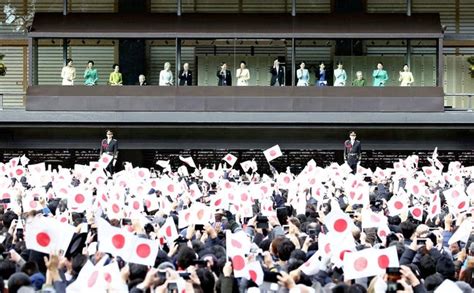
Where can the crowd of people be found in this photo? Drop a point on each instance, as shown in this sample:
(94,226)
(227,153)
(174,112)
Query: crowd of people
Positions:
(228,228)
(224,76)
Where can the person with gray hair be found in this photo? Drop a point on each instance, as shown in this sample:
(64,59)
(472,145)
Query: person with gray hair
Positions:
(166,76)
(359,81)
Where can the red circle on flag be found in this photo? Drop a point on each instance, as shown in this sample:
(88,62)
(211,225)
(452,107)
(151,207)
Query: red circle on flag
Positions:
(229,158)
(382,233)
(218,202)
(244,197)
(343,253)
(92,279)
(136,205)
(143,250)
(273,153)
(428,172)
(360,264)
(264,189)
(6,195)
(253,275)
(168,231)
(186,217)
(340,225)
(236,243)
(115,208)
(228,185)
(434,209)
(33,204)
(79,198)
(398,205)
(312,181)
(461,205)
(286,179)
(141,173)
(211,175)
(383,261)
(171,188)
(118,241)
(63,220)
(416,212)
(43,239)
(19,172)
(327,248)
(238,262)
(352,194)
(108,277)
(457,178)
(416,189)
(105,159)
(147,203)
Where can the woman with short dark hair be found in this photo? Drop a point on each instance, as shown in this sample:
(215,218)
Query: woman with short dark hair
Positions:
(68,73)
(90,74)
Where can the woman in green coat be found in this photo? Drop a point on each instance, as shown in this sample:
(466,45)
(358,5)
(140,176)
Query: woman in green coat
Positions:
(379,75)
(90,75)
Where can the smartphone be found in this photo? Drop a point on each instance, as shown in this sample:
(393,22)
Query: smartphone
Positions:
(468,215)
(421,241)
(393,275)
(126,221)
(271,277)
(286,228)
(201,263)
(172,287)
(198,227)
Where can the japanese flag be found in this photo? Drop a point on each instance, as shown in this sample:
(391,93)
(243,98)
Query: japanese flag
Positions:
(313,264)
(338,222)
(201,214)
(210,175)
(372,220)
(470,191)
(448,286)
(195,192)
(369,262)
(90,279)
(255,272)
(246,166)
(397,205)
(168,231)
(238,245)
(230,159)
(113,240)
(143,251)
(435,205)
(462,233)
(417,212)
(184,218)
(383,232)
(272,153)
(105,160)
(79,199)
(37,168)
(112,277)
(188,160)
(30,204)
(48,234)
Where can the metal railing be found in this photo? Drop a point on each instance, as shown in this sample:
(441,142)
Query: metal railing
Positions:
(458,101)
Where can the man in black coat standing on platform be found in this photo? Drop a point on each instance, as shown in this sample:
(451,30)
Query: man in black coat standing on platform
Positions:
(185,76)
(278,74)
(109,146)
(223,75)
(352,151)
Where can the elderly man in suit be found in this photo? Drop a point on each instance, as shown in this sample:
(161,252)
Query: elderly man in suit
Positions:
(109,146)
(352,151)
(223,75)
(185,76)
(278,74)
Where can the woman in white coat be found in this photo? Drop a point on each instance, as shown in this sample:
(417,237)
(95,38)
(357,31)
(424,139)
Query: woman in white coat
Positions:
(303,75)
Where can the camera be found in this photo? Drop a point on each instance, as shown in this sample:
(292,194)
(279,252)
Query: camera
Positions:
(421,241)
(312,233)
(393,275)
(262,222)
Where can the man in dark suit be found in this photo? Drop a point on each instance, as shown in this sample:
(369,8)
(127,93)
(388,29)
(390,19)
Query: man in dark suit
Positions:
(185,75)
(278,74)
(352,151)
(225,79)
(109,146)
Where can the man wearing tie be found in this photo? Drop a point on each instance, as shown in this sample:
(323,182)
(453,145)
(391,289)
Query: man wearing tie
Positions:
(278,74)
(185,76)
(223,75)
(109,146)
(352,151)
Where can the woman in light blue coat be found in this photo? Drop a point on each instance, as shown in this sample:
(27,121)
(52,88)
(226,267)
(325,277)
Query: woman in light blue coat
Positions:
(303,75)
